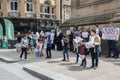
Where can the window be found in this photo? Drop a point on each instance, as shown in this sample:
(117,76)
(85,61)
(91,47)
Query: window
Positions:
(52,10)
(29,6)
(41,9)
(13,5)
(47,9)
(67,15)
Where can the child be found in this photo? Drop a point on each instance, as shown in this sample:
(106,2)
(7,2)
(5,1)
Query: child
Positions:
(83,52)
(38,48)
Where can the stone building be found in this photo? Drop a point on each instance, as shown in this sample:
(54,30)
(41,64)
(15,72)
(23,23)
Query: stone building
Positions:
(31,15)
(90,12)
(66,10)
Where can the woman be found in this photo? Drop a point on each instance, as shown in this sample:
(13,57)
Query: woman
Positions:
(95,41)
(24,47)
(18,45)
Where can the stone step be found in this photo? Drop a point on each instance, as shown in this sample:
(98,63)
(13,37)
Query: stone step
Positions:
(46,74)
(8,60)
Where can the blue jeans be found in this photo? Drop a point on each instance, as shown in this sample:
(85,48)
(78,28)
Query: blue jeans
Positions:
(65,53)
(77,58)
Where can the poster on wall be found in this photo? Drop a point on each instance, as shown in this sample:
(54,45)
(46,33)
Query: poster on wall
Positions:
(1,32)
(110,33)
(9,29)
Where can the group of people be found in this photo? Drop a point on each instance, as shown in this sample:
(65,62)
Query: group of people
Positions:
(87,41)
(82,41)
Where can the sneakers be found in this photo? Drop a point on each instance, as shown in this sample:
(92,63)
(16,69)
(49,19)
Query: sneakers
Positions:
(23,59)
(63,60)
(67,60)
(26,59)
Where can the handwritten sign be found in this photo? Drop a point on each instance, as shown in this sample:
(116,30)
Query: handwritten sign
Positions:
(110,33)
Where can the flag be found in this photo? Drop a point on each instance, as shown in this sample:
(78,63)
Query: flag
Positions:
(9,29)
(1,32)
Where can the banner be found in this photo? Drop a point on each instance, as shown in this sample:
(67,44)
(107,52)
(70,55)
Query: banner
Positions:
(1,32)
(110,33)
(9,29)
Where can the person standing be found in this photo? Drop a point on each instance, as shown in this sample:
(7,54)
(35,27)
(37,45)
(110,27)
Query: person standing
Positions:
(24,44)
(19,38)
(98,33)
(48,49)
(112,45)
(94,55)
(71,41)
(52,40)
(97,43)
(65,47)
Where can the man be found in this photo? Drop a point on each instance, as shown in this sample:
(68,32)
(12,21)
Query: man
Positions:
(111,45)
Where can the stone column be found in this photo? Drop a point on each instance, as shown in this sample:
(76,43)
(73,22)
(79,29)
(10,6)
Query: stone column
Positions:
(22,8)
(37,8)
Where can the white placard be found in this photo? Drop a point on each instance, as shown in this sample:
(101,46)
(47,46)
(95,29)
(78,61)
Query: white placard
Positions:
(89,45)
(77,39)
(110,33)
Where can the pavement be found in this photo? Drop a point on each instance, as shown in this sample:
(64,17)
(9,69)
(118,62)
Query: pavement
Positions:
(55,69)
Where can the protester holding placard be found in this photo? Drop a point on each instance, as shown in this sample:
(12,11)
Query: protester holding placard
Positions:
(112,35)
(92,44)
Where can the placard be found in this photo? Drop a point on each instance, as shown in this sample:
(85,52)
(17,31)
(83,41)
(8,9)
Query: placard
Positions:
(110,33)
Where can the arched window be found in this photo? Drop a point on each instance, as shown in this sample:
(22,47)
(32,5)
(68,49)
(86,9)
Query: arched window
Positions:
(47,9)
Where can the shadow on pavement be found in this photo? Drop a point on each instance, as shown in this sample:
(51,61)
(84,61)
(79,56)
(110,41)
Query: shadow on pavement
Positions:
(118,64)
(54,61)
(66,64)
(78,68)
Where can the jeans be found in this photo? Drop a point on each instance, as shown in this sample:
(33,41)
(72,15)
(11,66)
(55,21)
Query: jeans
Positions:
(77,58)
(94,57)
(48,52)
(65,53)
(84,62)
(71,45)
(24,50)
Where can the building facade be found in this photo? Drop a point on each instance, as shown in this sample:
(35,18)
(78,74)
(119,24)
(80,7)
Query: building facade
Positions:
(66,10)
(31,15)
(91,12)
